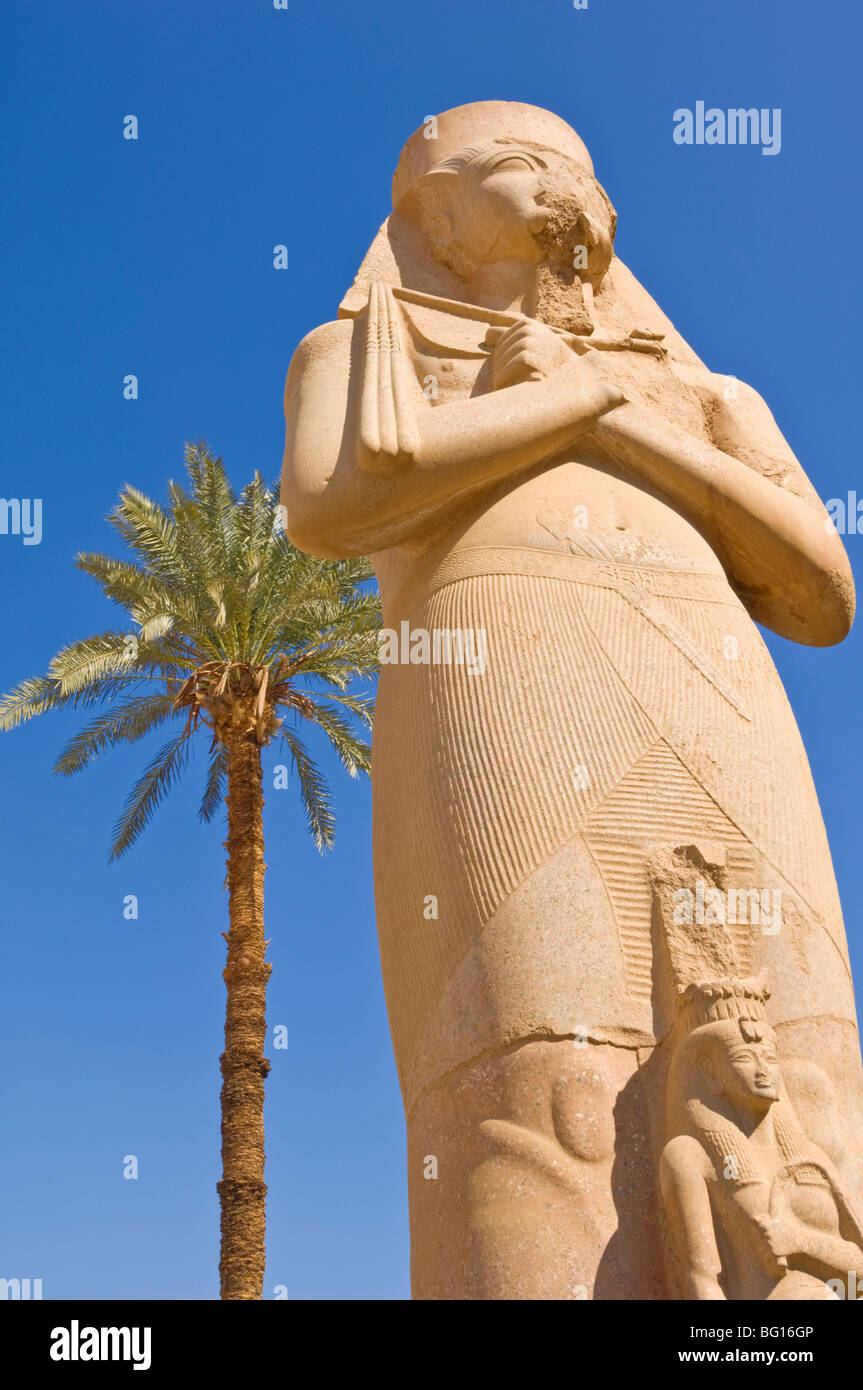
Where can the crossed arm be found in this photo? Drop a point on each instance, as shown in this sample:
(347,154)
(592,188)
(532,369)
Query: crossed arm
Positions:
(337,507)
(778,547)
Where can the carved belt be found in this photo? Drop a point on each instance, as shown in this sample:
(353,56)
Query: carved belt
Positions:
(641,586)
(630,580)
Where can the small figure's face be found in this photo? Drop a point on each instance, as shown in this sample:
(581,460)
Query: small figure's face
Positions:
(745,1070)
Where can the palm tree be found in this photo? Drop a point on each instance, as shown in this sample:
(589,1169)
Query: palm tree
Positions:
(236,630)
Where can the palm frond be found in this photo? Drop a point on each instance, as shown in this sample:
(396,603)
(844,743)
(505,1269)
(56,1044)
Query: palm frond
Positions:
(150,789)
(42,693)
(124,723)
(354,753)
(214,787)
(28,699)
(105,654)
(151,533)
(314,792)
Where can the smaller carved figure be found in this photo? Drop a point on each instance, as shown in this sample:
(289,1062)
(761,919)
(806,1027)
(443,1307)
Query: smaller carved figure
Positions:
(755,1209)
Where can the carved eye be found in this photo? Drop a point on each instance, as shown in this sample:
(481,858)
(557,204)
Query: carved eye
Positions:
(512,161)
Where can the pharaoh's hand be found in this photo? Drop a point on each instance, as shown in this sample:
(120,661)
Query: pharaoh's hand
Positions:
(529,351)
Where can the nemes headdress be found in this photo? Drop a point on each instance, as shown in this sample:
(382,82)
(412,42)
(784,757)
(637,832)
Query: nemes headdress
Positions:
(399,277)
(464,127)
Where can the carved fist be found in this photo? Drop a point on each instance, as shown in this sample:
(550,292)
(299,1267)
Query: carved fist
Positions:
(529,351)
(783,1238)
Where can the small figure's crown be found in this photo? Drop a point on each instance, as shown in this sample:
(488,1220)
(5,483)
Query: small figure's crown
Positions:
(714,1001)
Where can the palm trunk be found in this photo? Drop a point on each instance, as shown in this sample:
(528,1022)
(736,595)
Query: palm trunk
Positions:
(242,1191)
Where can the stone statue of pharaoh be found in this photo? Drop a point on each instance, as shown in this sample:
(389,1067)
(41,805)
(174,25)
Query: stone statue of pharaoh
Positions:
(543,470)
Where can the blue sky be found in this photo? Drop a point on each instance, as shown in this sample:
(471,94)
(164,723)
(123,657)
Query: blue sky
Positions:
(154,257)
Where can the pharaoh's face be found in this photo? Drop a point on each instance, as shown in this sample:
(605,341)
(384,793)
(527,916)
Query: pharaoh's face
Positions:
(744,1066)
(505,207)
(486,208)
(513,204)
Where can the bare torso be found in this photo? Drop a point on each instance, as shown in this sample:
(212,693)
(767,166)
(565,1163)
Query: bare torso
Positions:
(580,502)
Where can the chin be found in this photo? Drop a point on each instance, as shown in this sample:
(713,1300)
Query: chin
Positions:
(766,1098)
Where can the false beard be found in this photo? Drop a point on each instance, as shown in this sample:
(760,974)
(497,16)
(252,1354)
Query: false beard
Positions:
(574,250)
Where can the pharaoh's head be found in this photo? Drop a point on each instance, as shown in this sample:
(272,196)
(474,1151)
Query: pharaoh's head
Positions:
(499,182)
